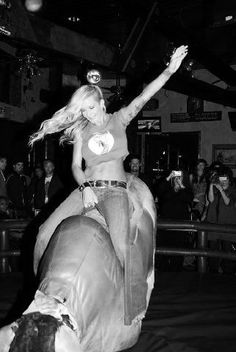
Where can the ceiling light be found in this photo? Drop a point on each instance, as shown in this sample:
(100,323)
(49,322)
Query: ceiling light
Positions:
(228,18)
(73,19)
(33,5)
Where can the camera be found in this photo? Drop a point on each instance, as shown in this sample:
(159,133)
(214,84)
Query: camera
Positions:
(177,173)
(214,177)
(223,178)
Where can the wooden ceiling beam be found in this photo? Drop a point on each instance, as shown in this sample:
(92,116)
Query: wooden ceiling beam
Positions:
(25,29)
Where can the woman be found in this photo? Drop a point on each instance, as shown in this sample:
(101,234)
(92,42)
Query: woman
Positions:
(175,197)
(221,210)
(199,186)
(100,139)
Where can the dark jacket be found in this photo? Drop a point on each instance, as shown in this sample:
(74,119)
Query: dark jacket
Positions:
(17,186)
(55,188)
(3,188)
(174,205)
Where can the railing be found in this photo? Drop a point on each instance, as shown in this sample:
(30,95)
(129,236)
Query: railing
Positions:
(6,227)
(202,251)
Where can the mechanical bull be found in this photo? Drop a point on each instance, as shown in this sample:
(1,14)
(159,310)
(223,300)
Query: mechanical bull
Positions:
(79,304)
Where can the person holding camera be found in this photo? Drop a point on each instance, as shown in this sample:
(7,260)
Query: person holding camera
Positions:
(198,181)
(175,197)
(221,210)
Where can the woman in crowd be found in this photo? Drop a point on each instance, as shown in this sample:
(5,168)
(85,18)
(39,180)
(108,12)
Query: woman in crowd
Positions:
(175,198)
(221,210)
(100,139)
(198,183)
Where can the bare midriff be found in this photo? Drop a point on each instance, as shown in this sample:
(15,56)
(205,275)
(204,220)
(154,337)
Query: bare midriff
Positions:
(109,170)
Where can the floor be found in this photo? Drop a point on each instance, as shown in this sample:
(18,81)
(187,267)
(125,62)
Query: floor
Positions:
(188,312)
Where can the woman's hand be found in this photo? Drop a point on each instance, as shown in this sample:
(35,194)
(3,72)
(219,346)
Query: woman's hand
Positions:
(89,197)
(218,186)
(179,182)
(177,58)
(171,175)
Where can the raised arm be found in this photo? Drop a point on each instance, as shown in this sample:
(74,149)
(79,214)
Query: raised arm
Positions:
(152,88)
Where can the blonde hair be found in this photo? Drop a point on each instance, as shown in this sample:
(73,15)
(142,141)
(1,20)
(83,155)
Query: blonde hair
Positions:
(68,119)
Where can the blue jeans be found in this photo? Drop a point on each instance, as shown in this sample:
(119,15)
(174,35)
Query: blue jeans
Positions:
(113,204)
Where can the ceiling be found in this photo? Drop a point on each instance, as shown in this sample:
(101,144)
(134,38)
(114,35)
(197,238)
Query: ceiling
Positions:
(145,31)
(160,22)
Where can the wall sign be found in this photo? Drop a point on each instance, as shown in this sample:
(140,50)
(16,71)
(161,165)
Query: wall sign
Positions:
(196,117)
(149,125)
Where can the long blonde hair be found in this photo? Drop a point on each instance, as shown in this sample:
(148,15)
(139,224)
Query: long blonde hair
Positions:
(68,119)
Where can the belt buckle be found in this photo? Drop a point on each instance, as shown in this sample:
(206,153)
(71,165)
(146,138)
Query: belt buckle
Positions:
(100,183)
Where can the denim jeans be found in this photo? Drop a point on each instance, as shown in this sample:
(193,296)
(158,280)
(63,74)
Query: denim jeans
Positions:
(113,204)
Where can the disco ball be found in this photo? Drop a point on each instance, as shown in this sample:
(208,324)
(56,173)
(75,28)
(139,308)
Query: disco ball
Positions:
(93,76)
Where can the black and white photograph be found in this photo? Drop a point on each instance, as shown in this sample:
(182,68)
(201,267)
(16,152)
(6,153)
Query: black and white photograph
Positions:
(117,175)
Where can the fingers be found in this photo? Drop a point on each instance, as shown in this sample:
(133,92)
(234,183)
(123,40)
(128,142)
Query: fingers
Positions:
(89,205)
(181,51)
(89,198)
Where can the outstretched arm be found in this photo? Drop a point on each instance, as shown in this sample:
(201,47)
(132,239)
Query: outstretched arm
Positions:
(152,88)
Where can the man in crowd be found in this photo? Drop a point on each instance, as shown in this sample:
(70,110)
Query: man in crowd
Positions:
(48,187)
(135,169)
(17,189)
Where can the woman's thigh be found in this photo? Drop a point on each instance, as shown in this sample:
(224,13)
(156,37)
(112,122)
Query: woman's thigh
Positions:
(114,206)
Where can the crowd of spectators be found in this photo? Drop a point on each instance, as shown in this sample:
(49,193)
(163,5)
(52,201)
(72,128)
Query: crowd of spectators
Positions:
(206,194)
(23,195)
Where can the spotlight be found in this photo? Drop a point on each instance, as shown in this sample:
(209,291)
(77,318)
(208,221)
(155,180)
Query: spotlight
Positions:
(33,5)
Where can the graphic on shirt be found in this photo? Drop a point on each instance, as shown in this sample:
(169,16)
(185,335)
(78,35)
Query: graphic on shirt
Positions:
(101,143)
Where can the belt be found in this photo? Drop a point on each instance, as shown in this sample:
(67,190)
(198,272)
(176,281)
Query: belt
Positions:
(107,183)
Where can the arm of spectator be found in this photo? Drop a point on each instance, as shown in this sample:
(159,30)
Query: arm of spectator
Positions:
(191,179)
(204,214)
(211,193)
(232,196)
(225,197)
(168,178)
